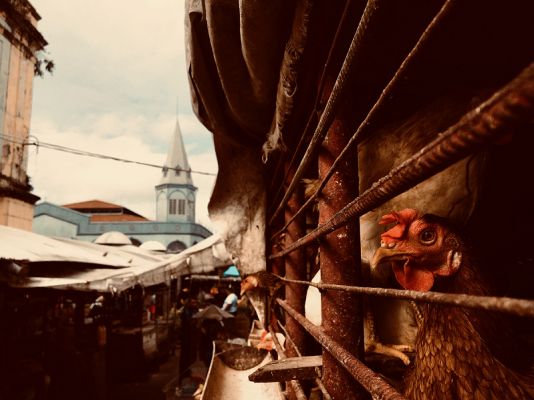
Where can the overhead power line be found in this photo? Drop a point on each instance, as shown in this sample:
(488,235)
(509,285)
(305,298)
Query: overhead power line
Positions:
(84,153)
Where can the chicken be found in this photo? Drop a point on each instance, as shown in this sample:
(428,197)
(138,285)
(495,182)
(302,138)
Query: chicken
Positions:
(456,351)
(259,285)
(453,193)
(261,280)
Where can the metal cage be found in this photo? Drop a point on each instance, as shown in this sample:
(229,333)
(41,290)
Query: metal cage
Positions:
(352,104)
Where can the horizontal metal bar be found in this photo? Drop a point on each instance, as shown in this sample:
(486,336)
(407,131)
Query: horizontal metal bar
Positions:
(483,125)
(286,369)
(520,307)
(370,380)
(212,278)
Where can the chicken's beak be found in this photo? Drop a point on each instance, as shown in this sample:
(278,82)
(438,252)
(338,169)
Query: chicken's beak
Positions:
(383,254)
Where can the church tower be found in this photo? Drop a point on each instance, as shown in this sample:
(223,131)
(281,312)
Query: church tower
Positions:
(175,193)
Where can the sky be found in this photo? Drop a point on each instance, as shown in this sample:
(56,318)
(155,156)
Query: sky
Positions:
(118,85)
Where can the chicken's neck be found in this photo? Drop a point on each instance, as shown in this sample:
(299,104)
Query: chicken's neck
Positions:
(452,359)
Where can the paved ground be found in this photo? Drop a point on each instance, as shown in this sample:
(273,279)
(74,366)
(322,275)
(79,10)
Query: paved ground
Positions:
(161,384)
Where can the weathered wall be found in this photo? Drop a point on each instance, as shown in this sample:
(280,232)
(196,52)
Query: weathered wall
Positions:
(16,213)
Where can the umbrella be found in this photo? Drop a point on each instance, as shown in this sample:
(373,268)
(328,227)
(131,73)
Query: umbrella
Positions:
(231,271)
(213,312)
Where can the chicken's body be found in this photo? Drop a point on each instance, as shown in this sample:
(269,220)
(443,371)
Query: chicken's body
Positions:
(453,361)
(456,354)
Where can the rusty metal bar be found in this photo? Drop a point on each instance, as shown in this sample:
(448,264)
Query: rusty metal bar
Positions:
(295,295)
(315,111)
(334,100)
(277,345)
(520,307)
(510,106)
(370,380)
(326,395)
(339,256)
(297,388)
(211,278)
(386,93)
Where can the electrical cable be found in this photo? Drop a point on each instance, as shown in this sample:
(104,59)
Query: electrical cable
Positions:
(79,152)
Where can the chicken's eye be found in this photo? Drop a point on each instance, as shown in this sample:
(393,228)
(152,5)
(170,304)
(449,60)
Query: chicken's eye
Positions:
(428,236)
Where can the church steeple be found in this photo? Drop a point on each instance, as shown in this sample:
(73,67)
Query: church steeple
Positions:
(176,158)
(175,193)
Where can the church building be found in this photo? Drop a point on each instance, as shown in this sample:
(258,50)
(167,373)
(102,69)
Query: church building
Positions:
(175,225)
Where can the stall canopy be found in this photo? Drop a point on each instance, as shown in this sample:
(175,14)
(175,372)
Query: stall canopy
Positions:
(231,271)
(69,264)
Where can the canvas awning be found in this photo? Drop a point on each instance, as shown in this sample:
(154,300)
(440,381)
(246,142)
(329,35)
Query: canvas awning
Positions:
(70,264)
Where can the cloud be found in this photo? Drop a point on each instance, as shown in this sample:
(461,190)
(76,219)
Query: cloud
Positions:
(120,68)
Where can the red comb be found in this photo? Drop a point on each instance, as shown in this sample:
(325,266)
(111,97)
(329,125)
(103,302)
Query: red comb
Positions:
(403,219)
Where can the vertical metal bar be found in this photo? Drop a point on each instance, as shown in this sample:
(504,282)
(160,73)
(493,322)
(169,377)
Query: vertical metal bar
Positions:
(318,381)
(339,252)
(294,384)
(295,266)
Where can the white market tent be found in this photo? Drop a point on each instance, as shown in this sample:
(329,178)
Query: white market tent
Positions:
(93,267)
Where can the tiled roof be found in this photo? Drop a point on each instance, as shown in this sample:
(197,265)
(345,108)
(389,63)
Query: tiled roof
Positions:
(91,204)
(101,211)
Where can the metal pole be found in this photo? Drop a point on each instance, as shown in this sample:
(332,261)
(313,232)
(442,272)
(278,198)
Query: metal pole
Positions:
(294,268)
(339,255)
(294,384)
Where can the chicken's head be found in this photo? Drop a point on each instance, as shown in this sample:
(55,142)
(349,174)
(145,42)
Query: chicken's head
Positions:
(419,249)
(249,283)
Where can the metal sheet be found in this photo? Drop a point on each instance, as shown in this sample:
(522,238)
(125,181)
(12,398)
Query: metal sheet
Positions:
(225,383)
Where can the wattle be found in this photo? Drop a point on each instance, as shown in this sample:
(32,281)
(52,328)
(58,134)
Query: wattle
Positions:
(412,278)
